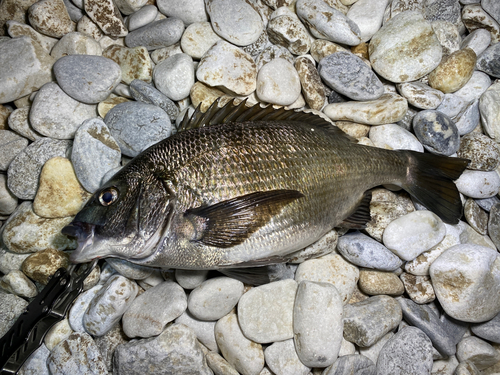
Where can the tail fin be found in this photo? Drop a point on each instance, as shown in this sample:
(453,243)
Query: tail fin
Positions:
(430,181)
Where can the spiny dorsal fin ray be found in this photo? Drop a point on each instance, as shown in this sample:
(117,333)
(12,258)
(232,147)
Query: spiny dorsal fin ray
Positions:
(232,112)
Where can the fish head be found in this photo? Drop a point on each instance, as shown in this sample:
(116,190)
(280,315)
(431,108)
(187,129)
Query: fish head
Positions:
(124,219)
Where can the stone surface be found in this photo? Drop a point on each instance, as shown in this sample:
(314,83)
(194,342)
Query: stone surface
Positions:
(278,83)
(437,132)
(129,270)
(107,16)
(352,364)
(11,145)
(11,306)
(282,358)
(145,93)
(454,71)
(475,216)
(19,122)
(17,283)
(421,95)
(109,342)
(36,364)
(419,288)
(158,34)
(310,82)
(219,365)
(194,11)
(87,26)
(405,48)
(59,332)
(198,38)
(8,201)
(478,184)
(50,17)
(394,137)
(448,35)
(15,29)
(190,279)
(478,40)
(475,87)
(324,246)
(135,63)
(490,111)
(142,17)
(474,17)
(489,330)
(465,279)
(42,265)
(205,331)
(368,15)
(494,224)
(285,29)
(374,283)
(80,306)
(174,76)
(478,352)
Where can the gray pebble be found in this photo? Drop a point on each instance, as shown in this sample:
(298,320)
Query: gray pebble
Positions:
(158,34)
(79,307)
(408,352)
(11,307)
(153,309)
(130,270)
(489,61)
(494,224)
(187,11)
(442,10)
(88,79)
(363,251)
(205,331)
(74,12)
(108,343)
(367,321)
(174,76)
(174,351)
(437,132)
(467,120)
(8,201)
(492,7)
(475,87)
(258,46)
(489,330)
(282,359)
(36,364)
(24,171)
(57,115)
(18,122)
(11,144)
(136,126)
(94,153)
(286,30)
(347,74)
(448,35)
(190,279)
(487,203)
(452,105)
(76,43)
(142,17)
(146,93)
(478,352)
(351,364)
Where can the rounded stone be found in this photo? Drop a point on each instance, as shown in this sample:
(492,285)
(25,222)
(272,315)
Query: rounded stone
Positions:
(174,76)
(437,132)
(59,332)
(16,29)
(489,108)
(475,87)
(143,92)
(478,40)
(76,43)
(17,283)
(420,95)
(466,279)
(11,144)
(142,17)
(273,52)
(374,283)
(79,307)
(394,137)
(107,16)
(130,270)
(448,35)
(281,358)
(368,15)
(454,71)
(18,122)
(285,29)
(135,126)
(205,331)
(475,17)
(478,352)
(419,288)
(158,34)
(198,38)
(86,26)
(50,17)
(188,12)
(310,81)
(405,48)
(43,264)
(129,7)
(278,83)
(88,79)
(135,63)
(482,151)
(489,330)
(222,14)
(478,184)
(320,48)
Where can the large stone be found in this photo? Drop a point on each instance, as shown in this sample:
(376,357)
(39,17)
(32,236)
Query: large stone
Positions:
(50,17)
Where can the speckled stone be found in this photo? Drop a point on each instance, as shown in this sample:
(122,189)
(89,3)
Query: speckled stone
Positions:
(448,35)
(421,95)
(43,264)
(394,137)
(107,16)
(50,17)
(494,224)
(11,144)
(372,283)
(198,38)
(475,216)
(419,288)
(76,43)
(59,332)
(17,283)
(278,83)
(281,358)
(81,304)
(392,48)
(174,76)
(478,184)
(454,71)
(160,54)
(475,17)
(310,80)
(481,150)
(15,29)
(437,132)
(145,93)
(36,364)
(86,26)
(135,63)
(18,122)
(320,48)
(109,342)
(488,61)
(11,307)
(273,52)
(479,352)
(285,29)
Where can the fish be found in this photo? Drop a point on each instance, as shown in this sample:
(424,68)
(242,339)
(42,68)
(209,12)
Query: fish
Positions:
(239,187)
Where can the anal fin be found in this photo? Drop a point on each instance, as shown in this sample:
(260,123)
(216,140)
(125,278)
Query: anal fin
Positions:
(361,216)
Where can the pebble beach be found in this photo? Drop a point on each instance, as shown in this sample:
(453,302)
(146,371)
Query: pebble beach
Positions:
(85,86)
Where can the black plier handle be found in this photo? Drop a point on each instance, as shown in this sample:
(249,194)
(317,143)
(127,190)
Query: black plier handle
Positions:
(46,309)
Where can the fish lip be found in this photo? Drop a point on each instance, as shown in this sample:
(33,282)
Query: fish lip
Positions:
(84,233)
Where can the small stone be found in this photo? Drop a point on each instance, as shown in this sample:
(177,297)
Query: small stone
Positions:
(219,365)
(475,17)
(282,359)
(134,62)
(16,29)
(487,203)
(215,298)
(420,95)
(107,41)
(478,184)
(59,332)
(368,15)
(78,354)
(490,111)
(135,126)
(14,10)
(372,352)
(476,217)
(273,52)
(468,120)
(17,283)
(466,368)
(198,38)
(109,305)
(478,352)
(191,12)
(11,145)
(377,282)
(310,80)
(128,7)
(368,321)
(42,265)
(129,270)
(108,343)
(285,29)
(448,35)
(257,47)
(142,17)
(489,330)
(158,34)
(478,40)
(408,352)
(36,364)
(174,76)
(328,23)
(80,306)
(437,132)
(10,261)
(388,108)
(325,245)
(454,71)
(205,331)
(145,93)
(452,105)
(160,54)
(11,307)
(107,16)
(475,87)
(488,61)
(50,17)
(469,236)
(230,67)
(357,131)
(190,279)
(465,277)
(351,364)
(278,83)
(419,288)
(8,201)
(394,137)
(86,26)
(405,48)
(76,43)
(317,324)
(330,269)
(104,106)
(204,96)
(18,122)
(321,48)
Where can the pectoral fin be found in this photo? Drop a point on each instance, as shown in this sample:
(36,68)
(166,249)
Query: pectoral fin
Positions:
(361,216)
(229,223)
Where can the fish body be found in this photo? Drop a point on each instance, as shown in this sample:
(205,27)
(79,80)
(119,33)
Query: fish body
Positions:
(247,193)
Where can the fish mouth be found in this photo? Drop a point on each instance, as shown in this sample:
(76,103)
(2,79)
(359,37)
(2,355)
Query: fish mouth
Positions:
(84,233)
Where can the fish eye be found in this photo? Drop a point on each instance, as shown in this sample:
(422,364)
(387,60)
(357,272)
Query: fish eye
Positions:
(108,196)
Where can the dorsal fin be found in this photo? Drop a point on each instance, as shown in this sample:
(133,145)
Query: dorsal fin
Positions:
(240,112)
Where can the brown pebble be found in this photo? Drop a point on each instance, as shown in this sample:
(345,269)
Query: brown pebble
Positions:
(42,265)
(454,71)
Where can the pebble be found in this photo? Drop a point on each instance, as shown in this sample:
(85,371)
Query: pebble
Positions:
(36,364)
(394,137)
(135,63)
(50,17)
(387,109)
(472,271)
(466,368)
(15,29)
(347,74)
(420,95)
(219,365)
(368,321)
(487,203)
(278,83)
(190,279)
(317,323)
(78,354)
(285,29)
(80,306)
(142,17)
(158,34)
(363,251)
(419,288)
(478,40)
(405,48)
(310,81)
(478,184)
(351,364)
(475,216)
(330,269)
(198,38)
(474,17)
(414,233)
(25,66)
(191,12)
(321,48)
(229,67)
(11,145)
(8,201)
(478,352)
(494,224)
(453,105)
(17,283)
(408,352)
(143,92)
(97,76)
(492,8)
(273,52)
(11,307)
(326,22)
(454,71)
(468,120)
(128,7)
(107,16)
(42,265)
(489,330)
(475,87)
(174,76)
(108,343)
(374,283)
(448,35)
(215,298)
(76,43)
(490,111)
(149,313)
(205,331)
(372,352)
(281,357)
(104,106)
(109,305)
(160,54)
(129,270)
(488,61)
(325,245)
(59,332)
(10,261)
(135,126)
(86,26)
(246,356)
(368,15)
(470,236)
(437,132)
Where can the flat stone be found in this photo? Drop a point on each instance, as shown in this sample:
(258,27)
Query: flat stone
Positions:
(15,29)
(448,35)
(281,358)
(317,323)
(215,298)
(17,283)
(490,111)
(394,137)
(454,71)
(80,306)
(278,83)
(135,63)
(174,76)
(285,29)
(135,126)
(468,120)
(374,283)
(437,132)
(11,307)
(229,67)
(328,23)
(419,288)
(421,95)
(107,16)
(368,321)
(478,40)
(50,17)
(393,51)
(145,93)
(408,351)
(11,145)
(475,87)
(387,109)
(191,12)
(310,81)
(158,34)
(351,364)
(142,17)
(478,352)
(198,38)
(489,330)
(481,150)
(464,279)
(219,365)
(487,203)
(475,17)
(59,332)
(205,331)
(478,184)
(25,66)
(246,356)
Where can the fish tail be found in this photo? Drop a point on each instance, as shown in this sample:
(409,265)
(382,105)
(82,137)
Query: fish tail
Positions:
(429,179)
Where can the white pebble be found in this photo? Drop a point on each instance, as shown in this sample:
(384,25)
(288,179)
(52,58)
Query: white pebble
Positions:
(278,82)
(478,184)
(394,137)
(282,359)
